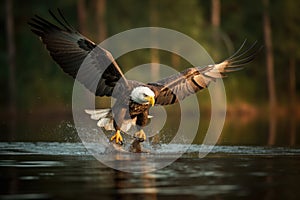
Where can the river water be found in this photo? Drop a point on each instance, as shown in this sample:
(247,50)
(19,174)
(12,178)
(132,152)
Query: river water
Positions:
(50,170)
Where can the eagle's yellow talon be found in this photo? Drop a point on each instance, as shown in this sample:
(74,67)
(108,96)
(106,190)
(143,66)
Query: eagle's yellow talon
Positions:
(118,137)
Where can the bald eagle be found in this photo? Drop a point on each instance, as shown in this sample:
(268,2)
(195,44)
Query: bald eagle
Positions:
(68,48)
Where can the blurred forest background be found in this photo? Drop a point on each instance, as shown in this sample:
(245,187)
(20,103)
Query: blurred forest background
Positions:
(33,86)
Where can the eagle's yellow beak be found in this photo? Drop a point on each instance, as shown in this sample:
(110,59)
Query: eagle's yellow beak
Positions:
(151,100)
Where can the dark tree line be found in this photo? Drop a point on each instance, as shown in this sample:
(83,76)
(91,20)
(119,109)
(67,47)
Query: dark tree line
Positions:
(28,75)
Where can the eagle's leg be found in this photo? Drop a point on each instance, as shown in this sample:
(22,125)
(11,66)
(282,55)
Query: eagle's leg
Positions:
(141,121)
(140,135)
(117,122)
(118,137)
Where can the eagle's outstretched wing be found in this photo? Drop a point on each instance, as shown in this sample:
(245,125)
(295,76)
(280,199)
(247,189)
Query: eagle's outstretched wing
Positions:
(69,49)
(178,86)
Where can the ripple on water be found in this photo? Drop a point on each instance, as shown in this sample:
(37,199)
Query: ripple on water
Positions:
(78,149)
(31,164)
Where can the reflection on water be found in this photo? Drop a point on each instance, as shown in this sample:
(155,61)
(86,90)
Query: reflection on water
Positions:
(67,171)
(242,166)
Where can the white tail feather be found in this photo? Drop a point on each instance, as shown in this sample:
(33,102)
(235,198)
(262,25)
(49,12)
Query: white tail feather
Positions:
(105,119)
(99,113)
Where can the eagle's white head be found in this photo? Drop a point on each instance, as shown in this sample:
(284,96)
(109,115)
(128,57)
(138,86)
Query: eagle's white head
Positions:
(143,95)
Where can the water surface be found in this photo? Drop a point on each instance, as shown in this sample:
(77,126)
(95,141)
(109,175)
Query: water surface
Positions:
(47,170)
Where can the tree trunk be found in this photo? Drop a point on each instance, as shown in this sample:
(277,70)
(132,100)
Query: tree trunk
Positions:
(81,12)
(11,49)
(270,72)
(292,106)
(215,22)
(154,52)
(100,19)
(215,13)
(292,83)
(269,56)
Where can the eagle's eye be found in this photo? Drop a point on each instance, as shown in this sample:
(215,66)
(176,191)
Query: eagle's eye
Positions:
(145,95)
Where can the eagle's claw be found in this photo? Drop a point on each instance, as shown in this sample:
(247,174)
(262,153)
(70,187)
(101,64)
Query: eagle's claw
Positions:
(139,139)
(118,137)
(140,135)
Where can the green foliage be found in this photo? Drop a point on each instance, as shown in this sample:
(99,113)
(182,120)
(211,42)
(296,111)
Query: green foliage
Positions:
(38,77)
